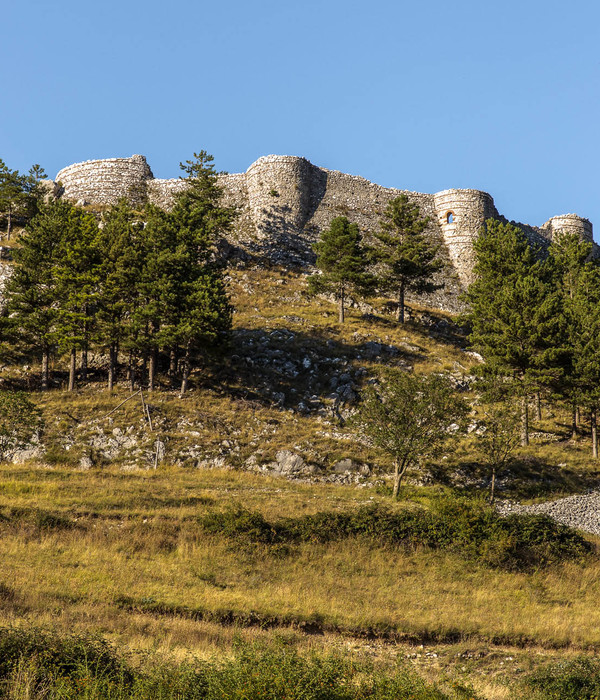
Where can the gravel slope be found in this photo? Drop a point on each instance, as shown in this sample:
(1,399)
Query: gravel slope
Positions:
(581,511)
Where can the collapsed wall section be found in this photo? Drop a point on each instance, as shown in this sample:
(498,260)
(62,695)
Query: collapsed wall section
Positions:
(106,181)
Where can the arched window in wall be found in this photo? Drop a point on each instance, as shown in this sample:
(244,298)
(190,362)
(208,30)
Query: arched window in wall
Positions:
(450,217)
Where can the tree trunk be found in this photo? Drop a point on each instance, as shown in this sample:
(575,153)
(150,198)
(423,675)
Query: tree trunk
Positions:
(493,485)
(131,372)
(399,469)
(186,373)
(173,364)
(400,309)
(524,421)
(9,222)
(152,369)
(84,364)
(72,369)
(594,422)
(45,368)
(538,406)
(112,364)
(341,306)
(574,430)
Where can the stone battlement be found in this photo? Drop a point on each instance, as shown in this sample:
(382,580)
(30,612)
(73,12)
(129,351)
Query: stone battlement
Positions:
(284,202)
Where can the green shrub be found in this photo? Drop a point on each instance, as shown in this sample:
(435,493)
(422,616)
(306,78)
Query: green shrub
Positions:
(577,679)
(239,523)
(466,526)
(66,657)
(36,663)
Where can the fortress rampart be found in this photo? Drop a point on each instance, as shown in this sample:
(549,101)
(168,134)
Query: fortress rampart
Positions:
(570,223)
(460,215)
(106,181)
(284,202)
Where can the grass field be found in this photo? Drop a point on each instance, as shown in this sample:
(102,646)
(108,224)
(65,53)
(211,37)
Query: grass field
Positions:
(125,554)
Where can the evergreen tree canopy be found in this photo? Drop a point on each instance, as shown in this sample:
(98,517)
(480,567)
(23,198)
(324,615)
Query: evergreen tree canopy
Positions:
(342,260)
(32,290)
(121,244)
(585,347)
(406,258)
(19,193)
(515,316)
(183,303)
(568,258)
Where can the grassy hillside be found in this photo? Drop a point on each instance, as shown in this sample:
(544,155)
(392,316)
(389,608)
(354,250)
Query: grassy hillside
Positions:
(91,544)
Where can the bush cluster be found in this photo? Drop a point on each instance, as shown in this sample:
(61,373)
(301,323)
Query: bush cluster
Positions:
(576,679)
(36,663)
(465,526)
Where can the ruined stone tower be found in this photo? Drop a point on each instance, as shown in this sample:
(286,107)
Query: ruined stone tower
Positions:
(461,215)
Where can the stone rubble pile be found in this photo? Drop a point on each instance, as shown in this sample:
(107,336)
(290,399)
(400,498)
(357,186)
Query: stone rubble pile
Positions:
(579,511)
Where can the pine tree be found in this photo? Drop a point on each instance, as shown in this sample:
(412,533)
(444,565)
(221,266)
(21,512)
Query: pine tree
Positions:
(32,289)
(121,246)
(52,291)
(184,305)
(585,324)
(11,194)
(20,193)
(568,261)
(203,314)
(515,317)
(407,259)
(76,272)
(342,260)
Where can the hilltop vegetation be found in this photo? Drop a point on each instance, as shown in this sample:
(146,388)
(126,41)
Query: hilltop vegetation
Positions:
(151,509)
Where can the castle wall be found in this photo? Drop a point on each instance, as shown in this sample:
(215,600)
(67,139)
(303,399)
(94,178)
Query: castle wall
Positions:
(106,181)
(284,202)
(282,193)
(461,214)
(570,223)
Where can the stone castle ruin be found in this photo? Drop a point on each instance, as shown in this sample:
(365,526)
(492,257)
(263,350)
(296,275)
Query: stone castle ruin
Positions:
(284,202)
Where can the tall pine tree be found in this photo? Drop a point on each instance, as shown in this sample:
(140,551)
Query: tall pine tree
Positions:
(406,258)
(568,261)
(342,260)
(515,317)
(77,275)
(120,241)
(32,288)
(585,324)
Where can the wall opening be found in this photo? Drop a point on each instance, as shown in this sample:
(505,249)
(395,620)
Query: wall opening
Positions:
(450,217)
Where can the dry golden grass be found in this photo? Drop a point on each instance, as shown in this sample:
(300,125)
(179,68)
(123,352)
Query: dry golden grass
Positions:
(136,535)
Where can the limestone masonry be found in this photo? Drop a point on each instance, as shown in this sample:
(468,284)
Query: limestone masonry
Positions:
(285,201)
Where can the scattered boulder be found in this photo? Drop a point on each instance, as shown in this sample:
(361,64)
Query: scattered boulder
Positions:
(287,462)
(351,466)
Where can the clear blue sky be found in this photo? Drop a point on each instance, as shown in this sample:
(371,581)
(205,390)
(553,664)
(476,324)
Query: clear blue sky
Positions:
(501,96)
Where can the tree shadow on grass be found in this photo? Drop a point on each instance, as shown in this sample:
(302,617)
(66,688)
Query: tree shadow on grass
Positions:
(524,479)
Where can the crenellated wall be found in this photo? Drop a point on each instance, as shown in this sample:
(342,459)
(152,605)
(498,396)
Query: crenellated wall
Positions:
(284,202)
